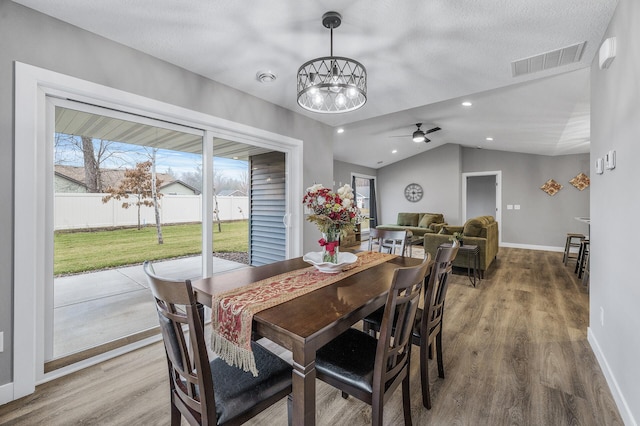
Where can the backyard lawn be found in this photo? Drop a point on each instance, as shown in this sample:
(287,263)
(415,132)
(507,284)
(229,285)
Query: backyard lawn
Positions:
(87,251)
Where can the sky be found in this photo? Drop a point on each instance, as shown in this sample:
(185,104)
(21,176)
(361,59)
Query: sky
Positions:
(68,153)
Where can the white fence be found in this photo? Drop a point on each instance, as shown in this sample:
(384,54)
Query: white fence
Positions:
(77,211)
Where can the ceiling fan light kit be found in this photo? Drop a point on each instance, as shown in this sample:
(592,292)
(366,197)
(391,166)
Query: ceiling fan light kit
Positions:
(421,136)
(332,84)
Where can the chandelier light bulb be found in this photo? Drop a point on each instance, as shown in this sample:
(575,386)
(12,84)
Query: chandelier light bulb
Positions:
(352,92)
(341,100)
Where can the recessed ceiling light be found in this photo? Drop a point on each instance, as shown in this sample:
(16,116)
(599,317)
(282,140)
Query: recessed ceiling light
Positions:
(380,162)
(467,103)
(235,158)
(340,130)
(265,77)
(489,138)
(394,151)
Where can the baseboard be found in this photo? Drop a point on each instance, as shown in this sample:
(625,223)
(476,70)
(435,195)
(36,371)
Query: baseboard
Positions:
(621,402)
(532,247)
(6,393)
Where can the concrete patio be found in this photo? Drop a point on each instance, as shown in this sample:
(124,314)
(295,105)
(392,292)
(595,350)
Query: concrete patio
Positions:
(97,307)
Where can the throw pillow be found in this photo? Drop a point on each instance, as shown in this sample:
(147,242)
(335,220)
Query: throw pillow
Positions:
(472,228)
(408,219)
(427,220)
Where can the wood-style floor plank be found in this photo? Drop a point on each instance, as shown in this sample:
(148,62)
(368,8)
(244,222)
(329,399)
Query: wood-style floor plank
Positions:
(515,353)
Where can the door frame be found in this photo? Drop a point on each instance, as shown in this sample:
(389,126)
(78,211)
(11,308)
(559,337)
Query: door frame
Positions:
(375,187)
(32,87)
(498,214)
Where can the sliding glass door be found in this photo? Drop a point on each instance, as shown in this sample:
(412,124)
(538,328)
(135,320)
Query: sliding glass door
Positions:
(125,190)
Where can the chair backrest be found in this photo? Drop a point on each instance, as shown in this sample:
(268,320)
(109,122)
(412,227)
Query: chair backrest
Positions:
(394,342)
(436,289)
(189,370)
(388,241)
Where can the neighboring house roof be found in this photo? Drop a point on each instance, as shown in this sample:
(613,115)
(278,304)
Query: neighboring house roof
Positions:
(109,177)
(179,182)
(231,193)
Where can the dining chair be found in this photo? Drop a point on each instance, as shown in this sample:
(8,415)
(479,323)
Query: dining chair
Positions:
(387,241)
(210,392)
(427,331)
(371,369)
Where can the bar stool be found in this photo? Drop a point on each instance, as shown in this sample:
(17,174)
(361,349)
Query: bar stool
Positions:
(586,274)
(583,255)
(570,243)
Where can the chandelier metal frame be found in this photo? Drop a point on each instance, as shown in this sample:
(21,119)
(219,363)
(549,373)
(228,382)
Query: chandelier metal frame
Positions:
(332,84)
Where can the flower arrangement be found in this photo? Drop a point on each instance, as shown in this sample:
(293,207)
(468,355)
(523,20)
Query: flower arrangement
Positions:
(335,213)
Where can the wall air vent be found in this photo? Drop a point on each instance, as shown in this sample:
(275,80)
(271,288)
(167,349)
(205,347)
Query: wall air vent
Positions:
(555,58)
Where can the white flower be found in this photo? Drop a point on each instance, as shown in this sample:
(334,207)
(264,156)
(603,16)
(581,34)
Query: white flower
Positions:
(315,188)
(346,203)
(321,200)
(345,191)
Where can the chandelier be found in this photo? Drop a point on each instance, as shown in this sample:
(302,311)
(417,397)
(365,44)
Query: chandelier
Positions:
(332,84)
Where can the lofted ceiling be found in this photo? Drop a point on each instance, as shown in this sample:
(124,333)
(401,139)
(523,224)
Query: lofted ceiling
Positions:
(423,59)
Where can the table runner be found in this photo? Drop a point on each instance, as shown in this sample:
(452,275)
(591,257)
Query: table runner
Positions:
(232,311)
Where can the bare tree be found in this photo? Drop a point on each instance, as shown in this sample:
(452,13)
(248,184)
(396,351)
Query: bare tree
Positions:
(94,152)
(154,194)
(137,183)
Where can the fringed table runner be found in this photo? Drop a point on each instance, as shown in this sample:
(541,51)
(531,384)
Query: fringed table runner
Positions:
(232,311)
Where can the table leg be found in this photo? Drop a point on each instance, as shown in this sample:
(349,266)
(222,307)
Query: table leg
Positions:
(304,387)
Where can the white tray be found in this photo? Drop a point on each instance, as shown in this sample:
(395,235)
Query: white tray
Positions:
(315,258)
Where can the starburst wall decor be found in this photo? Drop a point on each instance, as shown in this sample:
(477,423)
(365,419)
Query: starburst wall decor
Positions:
(551,187)
(581,181)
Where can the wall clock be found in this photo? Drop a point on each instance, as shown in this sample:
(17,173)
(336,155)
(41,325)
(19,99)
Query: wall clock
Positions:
(413,192)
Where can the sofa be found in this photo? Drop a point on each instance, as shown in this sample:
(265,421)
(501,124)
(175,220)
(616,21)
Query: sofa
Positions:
(481,231)
(418,223)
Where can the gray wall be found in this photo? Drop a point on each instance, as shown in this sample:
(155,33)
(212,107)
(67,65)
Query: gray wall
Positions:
(342,172)
(542,220)
(437,171)
(615,206)
(33,38)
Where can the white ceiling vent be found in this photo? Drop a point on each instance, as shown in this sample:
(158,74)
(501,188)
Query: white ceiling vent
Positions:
(555,58)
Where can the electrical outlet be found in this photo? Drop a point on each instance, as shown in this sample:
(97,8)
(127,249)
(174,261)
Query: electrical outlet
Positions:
(601,316)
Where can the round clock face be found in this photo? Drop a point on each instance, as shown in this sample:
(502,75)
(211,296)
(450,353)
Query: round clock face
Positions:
(413,192)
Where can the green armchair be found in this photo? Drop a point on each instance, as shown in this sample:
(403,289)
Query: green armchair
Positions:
(481,231)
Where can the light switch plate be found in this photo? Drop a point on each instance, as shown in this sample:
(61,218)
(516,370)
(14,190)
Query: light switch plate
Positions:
(610,160)
(509,206)
(517,207)
(599,166)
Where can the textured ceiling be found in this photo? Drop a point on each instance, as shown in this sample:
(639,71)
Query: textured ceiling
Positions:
(422,58)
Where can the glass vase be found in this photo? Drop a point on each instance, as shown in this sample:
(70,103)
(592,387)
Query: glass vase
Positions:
(331,245)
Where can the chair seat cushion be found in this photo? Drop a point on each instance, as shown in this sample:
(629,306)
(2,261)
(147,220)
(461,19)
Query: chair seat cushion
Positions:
(237,391)
(349,358)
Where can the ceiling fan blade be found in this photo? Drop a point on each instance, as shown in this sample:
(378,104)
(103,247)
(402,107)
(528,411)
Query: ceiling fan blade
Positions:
(399,136)
(435,129)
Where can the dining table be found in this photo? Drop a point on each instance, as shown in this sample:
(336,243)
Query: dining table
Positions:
(307,322)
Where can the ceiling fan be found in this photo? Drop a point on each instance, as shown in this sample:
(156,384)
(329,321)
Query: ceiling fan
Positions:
(420,135)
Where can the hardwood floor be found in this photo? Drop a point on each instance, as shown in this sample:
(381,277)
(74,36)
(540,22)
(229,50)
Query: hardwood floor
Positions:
(515,353)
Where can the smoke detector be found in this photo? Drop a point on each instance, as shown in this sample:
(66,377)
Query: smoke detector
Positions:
(265,77)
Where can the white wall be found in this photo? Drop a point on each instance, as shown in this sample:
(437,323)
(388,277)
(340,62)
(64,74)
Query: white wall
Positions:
(615,208)
(77,211)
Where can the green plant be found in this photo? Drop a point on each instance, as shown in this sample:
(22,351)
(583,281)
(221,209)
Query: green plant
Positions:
(457,236)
